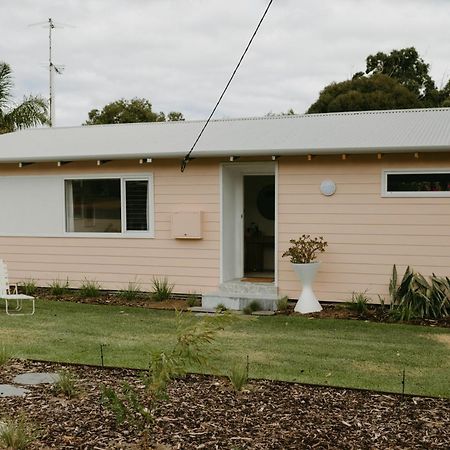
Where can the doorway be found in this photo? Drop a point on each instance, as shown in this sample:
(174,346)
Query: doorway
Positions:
(248,222)
(259,228)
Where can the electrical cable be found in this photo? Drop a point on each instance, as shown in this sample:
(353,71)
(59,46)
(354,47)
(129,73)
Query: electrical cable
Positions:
(187,158)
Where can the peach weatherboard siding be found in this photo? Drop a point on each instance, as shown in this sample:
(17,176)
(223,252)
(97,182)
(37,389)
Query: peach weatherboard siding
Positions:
(192,265)
(366,233)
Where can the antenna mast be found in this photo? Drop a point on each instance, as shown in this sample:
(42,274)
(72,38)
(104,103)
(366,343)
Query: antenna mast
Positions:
(52,68)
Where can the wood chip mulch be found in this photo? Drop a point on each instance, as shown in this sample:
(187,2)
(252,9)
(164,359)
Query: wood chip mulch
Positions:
(203,412)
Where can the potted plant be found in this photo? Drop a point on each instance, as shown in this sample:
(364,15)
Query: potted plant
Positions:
(303,254)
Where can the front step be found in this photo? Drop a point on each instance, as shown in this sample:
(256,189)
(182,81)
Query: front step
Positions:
(238,294)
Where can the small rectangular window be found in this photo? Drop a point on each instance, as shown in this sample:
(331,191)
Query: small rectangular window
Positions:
(107,205)
(425,183)
(136,205)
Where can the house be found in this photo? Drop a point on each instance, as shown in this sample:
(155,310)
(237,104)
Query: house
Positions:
(109,203)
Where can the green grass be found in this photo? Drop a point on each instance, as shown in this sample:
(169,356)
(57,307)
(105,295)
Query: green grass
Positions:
(292,348)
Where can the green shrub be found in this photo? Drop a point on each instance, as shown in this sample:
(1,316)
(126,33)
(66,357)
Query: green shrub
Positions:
(162,290)
(283,304)
(193,300)
(238,377)
(89,289)
(416,297)
(252,307)
(58,287)
(221,308)
(304,249)
(359,302)
(111,400)
(28,287)
(132,292)
(16,434)
(192,347)
(66,384)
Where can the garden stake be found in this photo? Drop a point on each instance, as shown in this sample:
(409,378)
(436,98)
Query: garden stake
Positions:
(101,353)
(248,366)
(403,385)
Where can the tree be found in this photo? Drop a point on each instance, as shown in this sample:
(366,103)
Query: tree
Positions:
(362,93)
(129,111)
(174,116)
(289,112)
(409,69)
(398,80)
(31,112)
(445,95)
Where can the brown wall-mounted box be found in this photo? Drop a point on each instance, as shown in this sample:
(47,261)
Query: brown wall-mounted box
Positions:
(187,225)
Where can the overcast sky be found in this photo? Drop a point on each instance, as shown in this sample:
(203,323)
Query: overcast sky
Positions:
(180,53)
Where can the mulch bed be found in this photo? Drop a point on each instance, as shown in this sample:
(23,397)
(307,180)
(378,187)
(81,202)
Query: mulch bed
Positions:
(114,298)
(203,412)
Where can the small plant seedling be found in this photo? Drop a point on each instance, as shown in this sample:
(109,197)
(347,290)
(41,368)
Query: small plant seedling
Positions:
(359,302)
(28,287)
(66,384)
(221,308)
(252,307)
(132,292)
(192,347)
(58,287)
(89,289)
(16,434)
(238,377)
(162,290)
(5,355)
(283,304)
(192,300)
(115,404)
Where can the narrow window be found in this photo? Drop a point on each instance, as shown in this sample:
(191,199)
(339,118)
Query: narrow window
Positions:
(136,205)
(424,183)
(419,182)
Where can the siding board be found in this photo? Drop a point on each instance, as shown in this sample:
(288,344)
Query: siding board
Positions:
(193,266)
(367,234)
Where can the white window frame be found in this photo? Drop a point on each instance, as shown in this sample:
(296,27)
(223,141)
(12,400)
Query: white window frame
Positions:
(150,233)
(429,194)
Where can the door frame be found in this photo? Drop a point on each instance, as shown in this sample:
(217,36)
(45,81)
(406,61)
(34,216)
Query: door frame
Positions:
(232,225)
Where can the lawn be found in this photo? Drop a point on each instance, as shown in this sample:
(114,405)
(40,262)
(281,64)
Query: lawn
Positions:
(292,348)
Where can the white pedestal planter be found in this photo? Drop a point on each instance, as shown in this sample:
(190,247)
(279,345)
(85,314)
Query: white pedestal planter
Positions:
(307,302)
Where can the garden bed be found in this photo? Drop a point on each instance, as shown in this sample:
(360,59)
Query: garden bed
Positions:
(374,313)
(204,412)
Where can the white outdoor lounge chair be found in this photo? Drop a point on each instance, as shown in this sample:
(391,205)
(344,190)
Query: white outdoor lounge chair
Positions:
(9,292)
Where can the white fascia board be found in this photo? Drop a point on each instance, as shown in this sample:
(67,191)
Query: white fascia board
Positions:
(27,157)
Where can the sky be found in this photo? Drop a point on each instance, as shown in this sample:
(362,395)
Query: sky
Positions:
(179,54)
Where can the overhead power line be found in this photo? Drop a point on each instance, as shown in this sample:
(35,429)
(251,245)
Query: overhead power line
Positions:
(188,157)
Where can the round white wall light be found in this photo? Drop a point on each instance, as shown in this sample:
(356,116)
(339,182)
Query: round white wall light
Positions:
(328,187)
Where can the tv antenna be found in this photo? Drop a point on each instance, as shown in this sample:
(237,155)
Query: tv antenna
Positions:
(52,68)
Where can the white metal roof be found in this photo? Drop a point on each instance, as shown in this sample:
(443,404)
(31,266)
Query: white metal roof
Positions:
(423,130)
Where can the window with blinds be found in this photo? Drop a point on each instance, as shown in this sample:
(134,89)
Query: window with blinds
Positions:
(107,205)
(136,205)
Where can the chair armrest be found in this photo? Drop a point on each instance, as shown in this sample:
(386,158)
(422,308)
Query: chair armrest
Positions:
(13,289)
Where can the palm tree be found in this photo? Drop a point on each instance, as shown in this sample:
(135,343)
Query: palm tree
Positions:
(31,112)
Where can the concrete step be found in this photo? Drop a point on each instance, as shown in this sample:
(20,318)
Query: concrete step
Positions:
(246,287)
(238,294)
